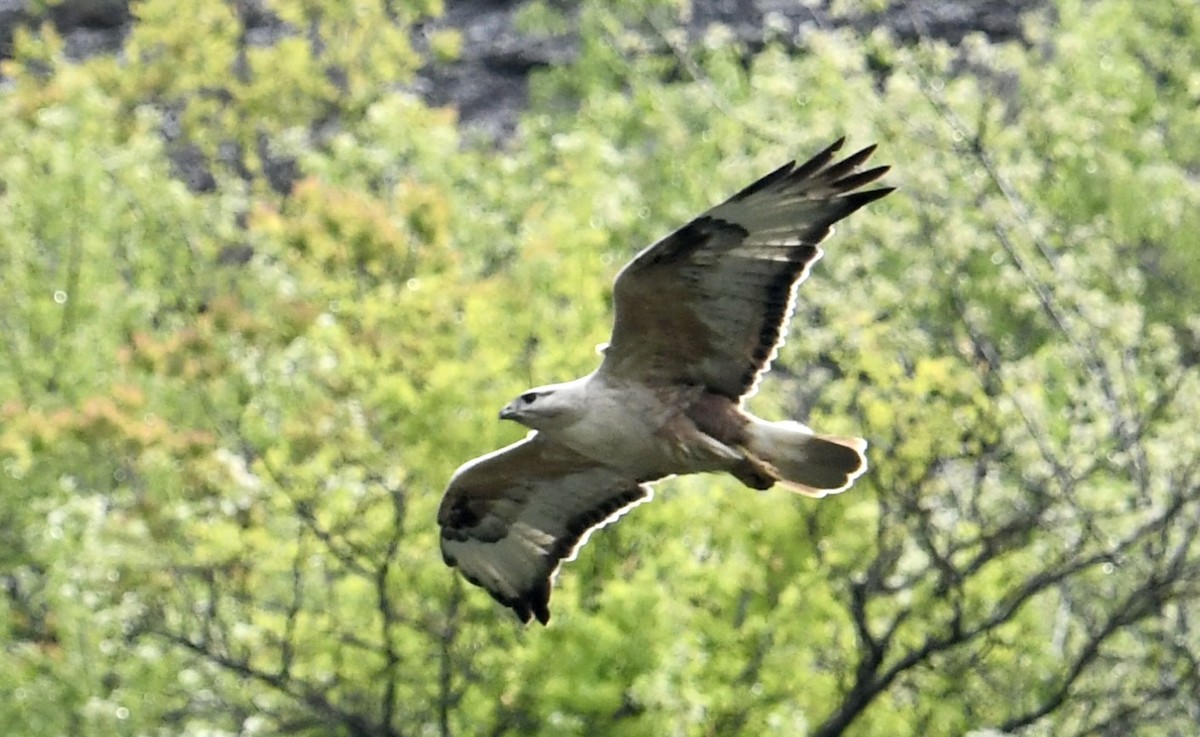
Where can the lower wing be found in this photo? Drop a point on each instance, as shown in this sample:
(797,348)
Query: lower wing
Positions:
(511,517)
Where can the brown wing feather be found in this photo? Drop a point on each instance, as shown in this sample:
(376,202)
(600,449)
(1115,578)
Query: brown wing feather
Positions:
(511,517)
(709,304)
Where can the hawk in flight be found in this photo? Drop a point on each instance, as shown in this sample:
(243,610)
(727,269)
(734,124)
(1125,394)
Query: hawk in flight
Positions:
(699,317)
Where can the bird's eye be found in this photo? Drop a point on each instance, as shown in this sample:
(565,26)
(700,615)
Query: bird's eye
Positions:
(528,397)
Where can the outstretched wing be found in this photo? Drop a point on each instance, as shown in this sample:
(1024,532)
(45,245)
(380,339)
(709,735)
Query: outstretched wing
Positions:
(709,304)
(511,517)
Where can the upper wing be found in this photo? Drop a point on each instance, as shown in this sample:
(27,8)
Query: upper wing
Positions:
(709,303)
(510,517)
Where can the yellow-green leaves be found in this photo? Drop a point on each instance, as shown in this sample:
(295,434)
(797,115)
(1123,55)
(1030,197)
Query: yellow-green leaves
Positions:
(227,413)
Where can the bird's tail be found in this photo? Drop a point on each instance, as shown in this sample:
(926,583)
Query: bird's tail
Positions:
(804,462)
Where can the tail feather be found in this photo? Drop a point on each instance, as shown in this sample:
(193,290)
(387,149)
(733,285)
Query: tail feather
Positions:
(802,461)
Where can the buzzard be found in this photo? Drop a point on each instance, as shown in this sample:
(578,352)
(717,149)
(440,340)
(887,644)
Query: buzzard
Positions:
(699,317)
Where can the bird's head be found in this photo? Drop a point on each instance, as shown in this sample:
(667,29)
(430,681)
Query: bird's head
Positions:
(544,408)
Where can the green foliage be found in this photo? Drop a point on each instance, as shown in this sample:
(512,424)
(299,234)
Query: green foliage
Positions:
(541,18)
(226,417)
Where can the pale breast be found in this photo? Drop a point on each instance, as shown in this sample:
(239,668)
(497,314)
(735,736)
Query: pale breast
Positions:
(644,430)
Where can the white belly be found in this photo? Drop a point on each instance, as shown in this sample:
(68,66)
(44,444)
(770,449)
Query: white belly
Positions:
(643,431)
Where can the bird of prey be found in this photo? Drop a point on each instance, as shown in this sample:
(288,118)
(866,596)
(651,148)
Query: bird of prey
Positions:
(699,317)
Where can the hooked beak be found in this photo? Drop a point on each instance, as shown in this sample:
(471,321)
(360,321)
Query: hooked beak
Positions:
(509,412)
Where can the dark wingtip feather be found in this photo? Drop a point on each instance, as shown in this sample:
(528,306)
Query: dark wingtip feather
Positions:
(871,195)
(782,172)
(863,153)
(521,609)
(841,173)
(533,603)
(856,200)
(858,179)
(538,600)
(818,162)
(848,164)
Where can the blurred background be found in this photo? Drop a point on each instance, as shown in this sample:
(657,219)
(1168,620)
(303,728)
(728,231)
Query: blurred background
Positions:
(269,269)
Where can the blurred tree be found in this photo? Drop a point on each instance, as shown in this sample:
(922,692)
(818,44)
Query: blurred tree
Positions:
(227,412)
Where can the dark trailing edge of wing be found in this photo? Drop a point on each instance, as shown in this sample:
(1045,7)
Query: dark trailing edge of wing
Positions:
(839,177)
